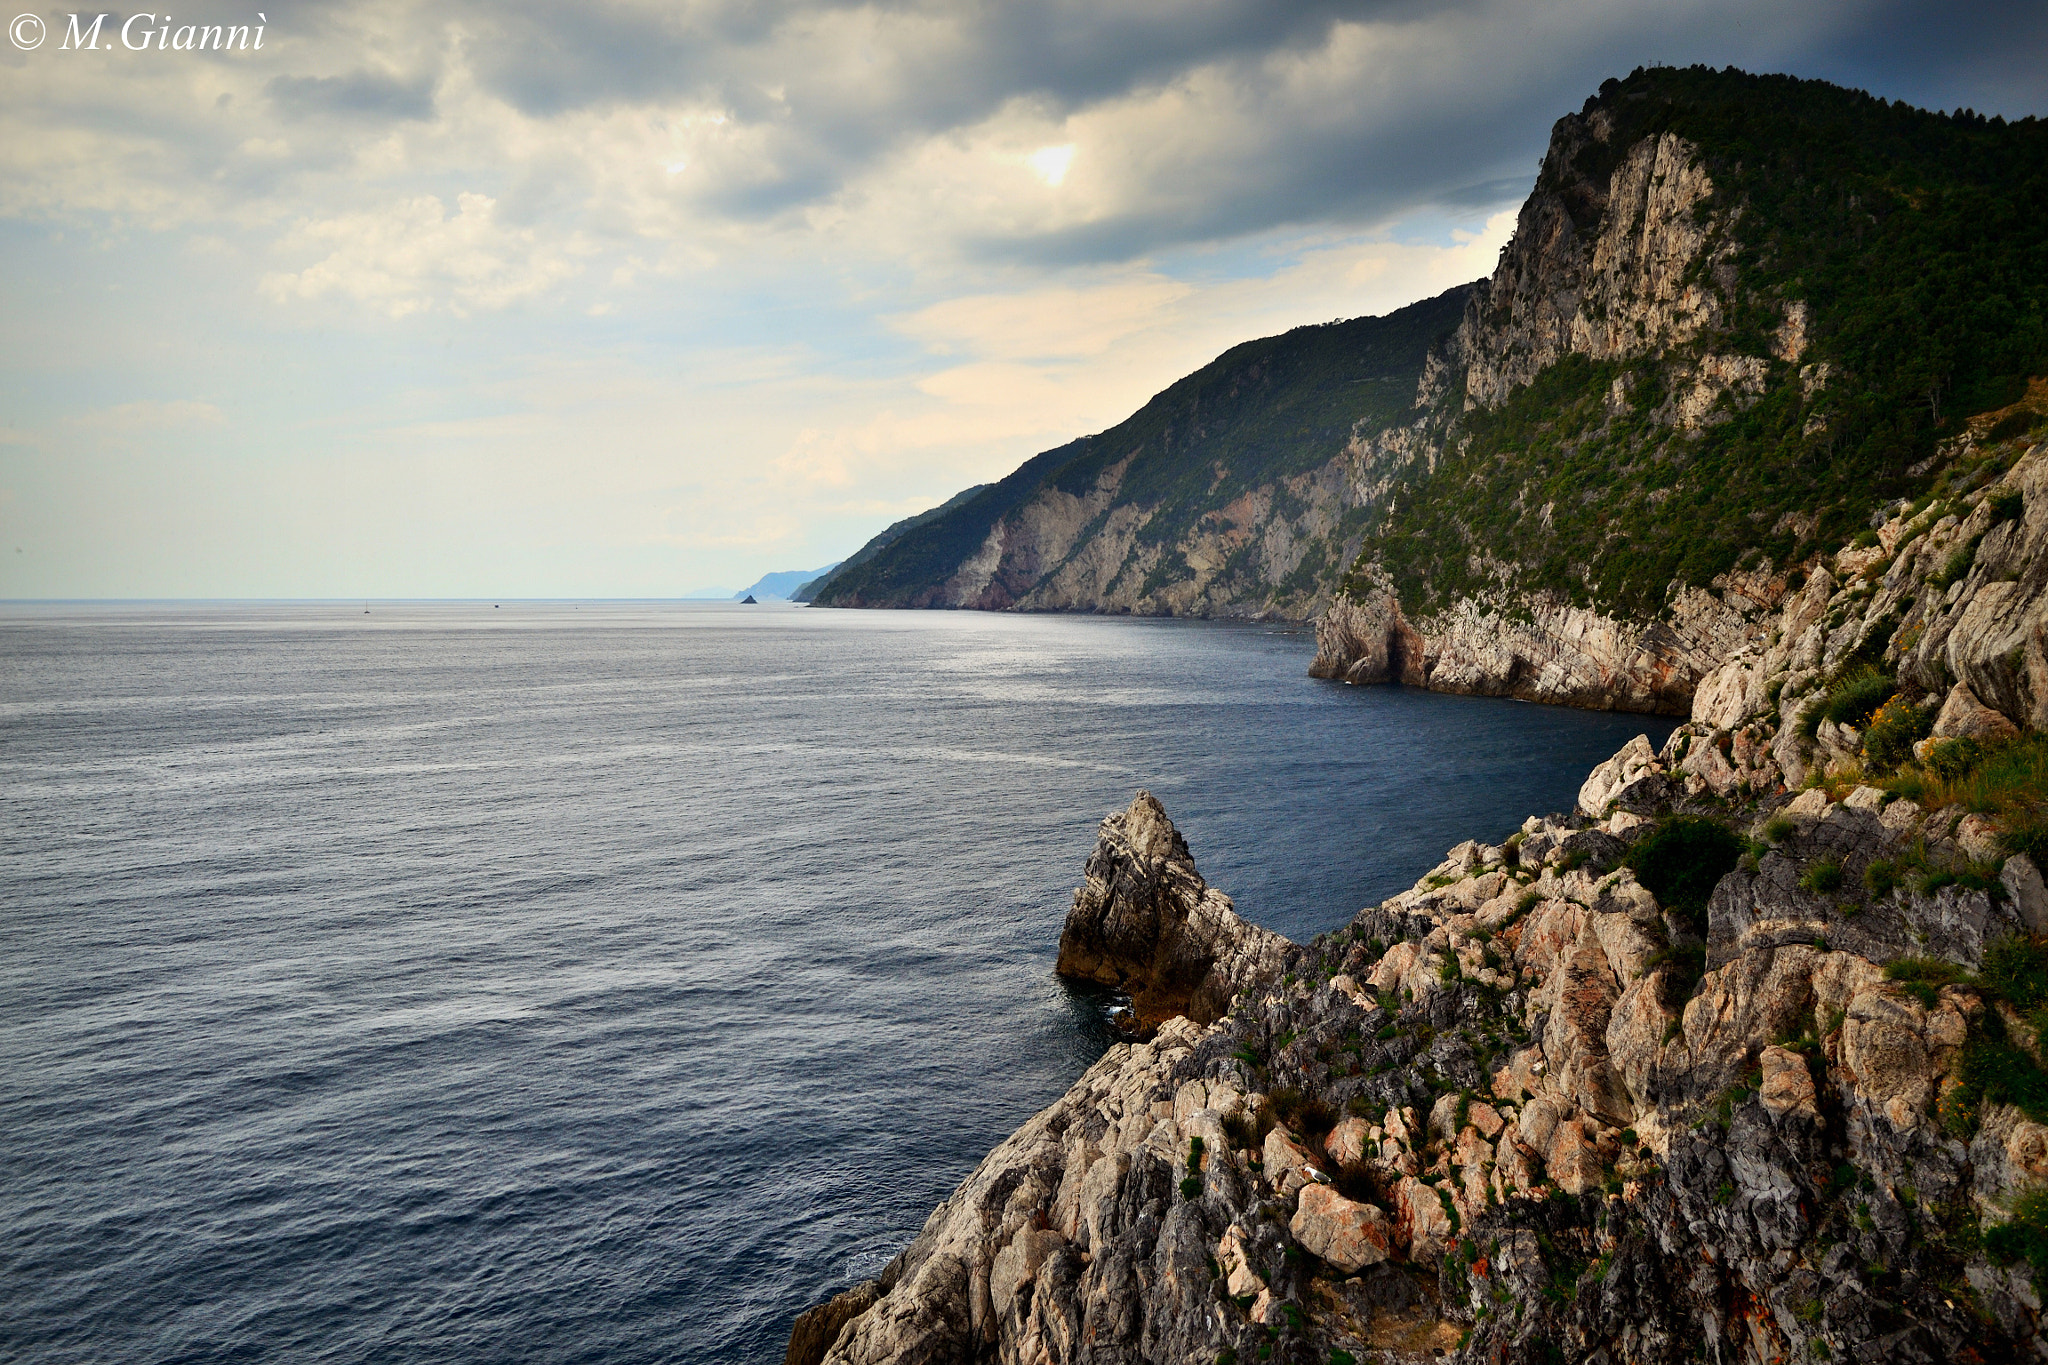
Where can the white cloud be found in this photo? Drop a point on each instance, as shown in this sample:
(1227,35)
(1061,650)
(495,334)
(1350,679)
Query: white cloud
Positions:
(1052,163)
(415,256)
(664,286)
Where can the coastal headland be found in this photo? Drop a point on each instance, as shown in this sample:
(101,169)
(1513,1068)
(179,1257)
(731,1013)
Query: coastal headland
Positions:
(1739,1060)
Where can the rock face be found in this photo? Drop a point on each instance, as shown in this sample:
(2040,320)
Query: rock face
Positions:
(1537,649)
(1235,492)
(1611,269)
(1145,922)
(1496,1110)
(1951,599)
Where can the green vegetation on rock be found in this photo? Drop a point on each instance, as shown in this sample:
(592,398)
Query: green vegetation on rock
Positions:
(1682,861)
(1917,240)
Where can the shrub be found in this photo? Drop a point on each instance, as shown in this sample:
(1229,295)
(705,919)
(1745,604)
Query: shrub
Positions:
(1821,877)
(2025,1237)
(2017,968)
(1923,976)
(2029,836)
(1958,563)
(1191,1188)
(1854,697)
(1779,828)
(2011,425)
(1894,728)
(2007,504)
(1682,861)
(1849,699)
(2002,1074)
(1881,877)
(1953,759)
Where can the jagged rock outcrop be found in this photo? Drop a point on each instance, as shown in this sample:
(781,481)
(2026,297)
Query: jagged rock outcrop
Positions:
(1423,1130)
(1951,597)
(1145,922)
(1491,1112)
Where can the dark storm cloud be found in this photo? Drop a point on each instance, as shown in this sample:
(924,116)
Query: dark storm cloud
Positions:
(1450,104)
(553,57)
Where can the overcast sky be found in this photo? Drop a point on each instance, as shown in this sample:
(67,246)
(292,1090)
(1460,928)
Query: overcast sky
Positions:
(628,299)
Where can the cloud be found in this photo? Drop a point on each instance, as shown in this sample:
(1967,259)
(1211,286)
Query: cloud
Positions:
(815,263)
(1067,132)
(413,256)
(358,92)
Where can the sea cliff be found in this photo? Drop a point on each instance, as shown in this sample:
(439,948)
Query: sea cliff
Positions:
(1739,1060)
(1738,316)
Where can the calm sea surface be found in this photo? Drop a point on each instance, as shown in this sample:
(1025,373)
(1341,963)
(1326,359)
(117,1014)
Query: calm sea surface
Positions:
(605,982)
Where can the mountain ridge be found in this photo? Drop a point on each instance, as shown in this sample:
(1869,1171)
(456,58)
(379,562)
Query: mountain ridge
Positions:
(1227,493)
(1738,315)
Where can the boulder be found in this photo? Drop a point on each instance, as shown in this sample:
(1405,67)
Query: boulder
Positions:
(1573,1160)
(1420,1221)
(2022,882)
(1964,717)
(1347,1234)
(1240,1278)
(1289,1165)
(1606,782)
(1346,1144)
(1787,1084)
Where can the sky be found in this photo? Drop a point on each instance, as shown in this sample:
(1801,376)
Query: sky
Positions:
(633,299)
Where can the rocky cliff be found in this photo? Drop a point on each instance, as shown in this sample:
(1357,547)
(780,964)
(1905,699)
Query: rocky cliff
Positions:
(1738,314)
(1739,1061)
(1145,922)
(1236,492)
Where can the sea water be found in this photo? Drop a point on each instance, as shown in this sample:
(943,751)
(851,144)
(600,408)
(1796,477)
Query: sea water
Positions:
(607,982)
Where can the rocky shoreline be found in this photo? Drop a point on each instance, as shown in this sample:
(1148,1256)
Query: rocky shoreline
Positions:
(1695,1071)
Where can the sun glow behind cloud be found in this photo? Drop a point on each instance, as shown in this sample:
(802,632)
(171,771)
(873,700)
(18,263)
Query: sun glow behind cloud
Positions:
(1051,163)
(567,300)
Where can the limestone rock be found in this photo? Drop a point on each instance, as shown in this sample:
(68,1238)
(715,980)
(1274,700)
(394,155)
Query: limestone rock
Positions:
(1421,1223)
(1349,1235)
(1787,1084)
(1146,922)
(1367,640)
(1289,1165)
(1608,780)
(2022,882)
(815,1330)
(1347,1143)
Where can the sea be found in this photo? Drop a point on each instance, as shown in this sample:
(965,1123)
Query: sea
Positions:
(586,981)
